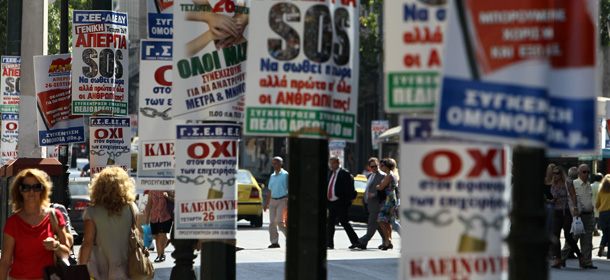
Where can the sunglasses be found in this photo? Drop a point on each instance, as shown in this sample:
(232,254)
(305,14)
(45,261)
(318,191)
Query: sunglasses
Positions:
(35,187)
(585,172)
(556,173)
(373,166)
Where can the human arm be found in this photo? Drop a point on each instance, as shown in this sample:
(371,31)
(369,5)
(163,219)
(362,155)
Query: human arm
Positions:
(61,245)
(574,199)
(214,20)
(88,239)
(267,202)
(386,181)
(8,248)
(147,209)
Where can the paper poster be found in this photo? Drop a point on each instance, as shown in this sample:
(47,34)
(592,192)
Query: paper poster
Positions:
(414,35)
(10,134)
(209,56)
(156,161)
(514,74)
(101,62)
(11,77)
(303,72)
(455,206)
(206,186)
(160,19)
(110,143)
(378,128)
(56,124)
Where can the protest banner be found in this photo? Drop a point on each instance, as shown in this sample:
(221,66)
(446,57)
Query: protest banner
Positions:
(155,146)
(206,185)
(337,148)
(101,62)
(455,207)
(378,128)
(56,126)
(160,19)
(110,143)
(515,75)
(414,49)
(303,76)
(10,134)
(209,60)
(11,77)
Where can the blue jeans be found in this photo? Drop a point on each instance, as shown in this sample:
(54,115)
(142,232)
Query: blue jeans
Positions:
(550,209)
(604,225)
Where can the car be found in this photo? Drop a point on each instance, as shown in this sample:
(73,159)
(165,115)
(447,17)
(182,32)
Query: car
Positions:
(249,199)
(356,211)
(79,189)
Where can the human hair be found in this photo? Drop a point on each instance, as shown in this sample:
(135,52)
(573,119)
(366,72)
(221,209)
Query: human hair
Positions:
(335,158)
(605,186)
(373,159)
(562,179)
(390,163)
(548,179)
(573,172)
(597,177)
(112,188)
(40,176)
(278,159)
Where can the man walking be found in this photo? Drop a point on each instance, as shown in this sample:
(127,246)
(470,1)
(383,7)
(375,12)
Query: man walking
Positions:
(276,203)
(584,195)
(371,203)
(340,194)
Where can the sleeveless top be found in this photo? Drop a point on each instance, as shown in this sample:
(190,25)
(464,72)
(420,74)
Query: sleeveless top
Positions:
(560,193)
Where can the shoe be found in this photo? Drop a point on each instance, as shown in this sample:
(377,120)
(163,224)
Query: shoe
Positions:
(581,261)
(385,248)
(380,246)
(274,245)
(357,246)
(557,264)
(160,258)
(589,267)
(151,248)
(330,247)
(600,252)
(563,263)
(238,249)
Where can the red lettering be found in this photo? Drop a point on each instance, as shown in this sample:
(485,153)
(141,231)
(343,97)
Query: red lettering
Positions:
(429,168)
(103,135)
(483,162)
(160,75)
(196,153)
(416,269)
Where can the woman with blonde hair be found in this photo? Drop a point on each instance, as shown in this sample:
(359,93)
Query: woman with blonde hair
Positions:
(29,234)
(602,203)
(107,224)
(563,198)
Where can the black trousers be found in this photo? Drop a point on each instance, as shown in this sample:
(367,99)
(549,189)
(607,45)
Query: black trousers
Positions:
(563,220)
(338,210)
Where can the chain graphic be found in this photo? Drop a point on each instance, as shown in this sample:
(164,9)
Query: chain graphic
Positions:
(469,223)
(111,153)
(419,217)
(152,112)
(9,140)
(227,183)
(199,180)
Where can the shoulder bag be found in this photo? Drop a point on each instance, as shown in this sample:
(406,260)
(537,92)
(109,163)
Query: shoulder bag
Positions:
(140,266)
(62,270)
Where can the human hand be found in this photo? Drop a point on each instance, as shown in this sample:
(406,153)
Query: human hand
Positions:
(222,24)
(575,212)
(49,244)
(370,195)
(379,187)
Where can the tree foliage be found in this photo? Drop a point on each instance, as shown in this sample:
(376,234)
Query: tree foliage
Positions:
(371,48)
(55,20)
(604,13)
(3,26)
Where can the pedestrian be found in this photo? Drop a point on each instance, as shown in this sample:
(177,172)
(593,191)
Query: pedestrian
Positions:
(277,201)
(564,198)
(602,204)
(371,203)
(107,224)
(550,207)
(29,243)
(584,195)
(340,194)
(597,181)
(158,214)
(388,202)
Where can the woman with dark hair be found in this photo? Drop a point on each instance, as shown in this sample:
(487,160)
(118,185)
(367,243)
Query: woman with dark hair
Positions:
(107,224)
(563,197)
(602,204)
(29,234)
(387,206)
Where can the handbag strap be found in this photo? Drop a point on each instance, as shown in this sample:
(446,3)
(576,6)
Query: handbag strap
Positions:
(133,214)
(54,222)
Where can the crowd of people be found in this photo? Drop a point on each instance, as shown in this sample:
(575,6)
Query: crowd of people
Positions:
(573,198)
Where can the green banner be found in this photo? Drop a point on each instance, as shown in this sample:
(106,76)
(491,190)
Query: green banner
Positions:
(413,90)
(91,107)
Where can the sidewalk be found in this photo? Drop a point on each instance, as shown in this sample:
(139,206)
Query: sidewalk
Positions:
(572,271)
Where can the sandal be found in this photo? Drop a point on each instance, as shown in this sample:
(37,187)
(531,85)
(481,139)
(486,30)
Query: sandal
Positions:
(160,258)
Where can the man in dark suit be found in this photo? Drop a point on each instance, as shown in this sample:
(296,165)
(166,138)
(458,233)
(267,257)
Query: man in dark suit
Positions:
(371,203)
(340,194)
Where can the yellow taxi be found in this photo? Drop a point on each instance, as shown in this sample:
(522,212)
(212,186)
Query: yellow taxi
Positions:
(249,198)
(357,212)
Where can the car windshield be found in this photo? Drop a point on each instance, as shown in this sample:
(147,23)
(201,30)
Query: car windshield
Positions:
(359,185)
(243,177)
(79,187)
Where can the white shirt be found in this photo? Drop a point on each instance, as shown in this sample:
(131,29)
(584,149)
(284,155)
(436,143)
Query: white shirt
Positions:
(331,184)
(584,194)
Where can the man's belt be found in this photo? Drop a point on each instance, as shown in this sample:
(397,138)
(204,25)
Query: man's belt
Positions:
(587,213)
(278,197)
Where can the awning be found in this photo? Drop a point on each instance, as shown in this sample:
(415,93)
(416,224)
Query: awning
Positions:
(392,134)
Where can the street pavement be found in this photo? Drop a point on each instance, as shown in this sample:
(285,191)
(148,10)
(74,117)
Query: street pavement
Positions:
(256,261)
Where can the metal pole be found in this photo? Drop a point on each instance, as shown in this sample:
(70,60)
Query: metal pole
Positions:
(528,240)
(306,250)
(381,83)
(63,196)
(103,5)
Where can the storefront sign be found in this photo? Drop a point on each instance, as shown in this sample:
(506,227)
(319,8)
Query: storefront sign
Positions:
(303,72)
(100,61)
(206,186)
(56,124)
(414,48)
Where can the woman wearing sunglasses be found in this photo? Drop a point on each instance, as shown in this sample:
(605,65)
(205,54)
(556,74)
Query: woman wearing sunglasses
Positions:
(563,197)
(29,234)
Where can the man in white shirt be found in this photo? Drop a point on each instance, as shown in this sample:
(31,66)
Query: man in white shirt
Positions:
(584,195)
